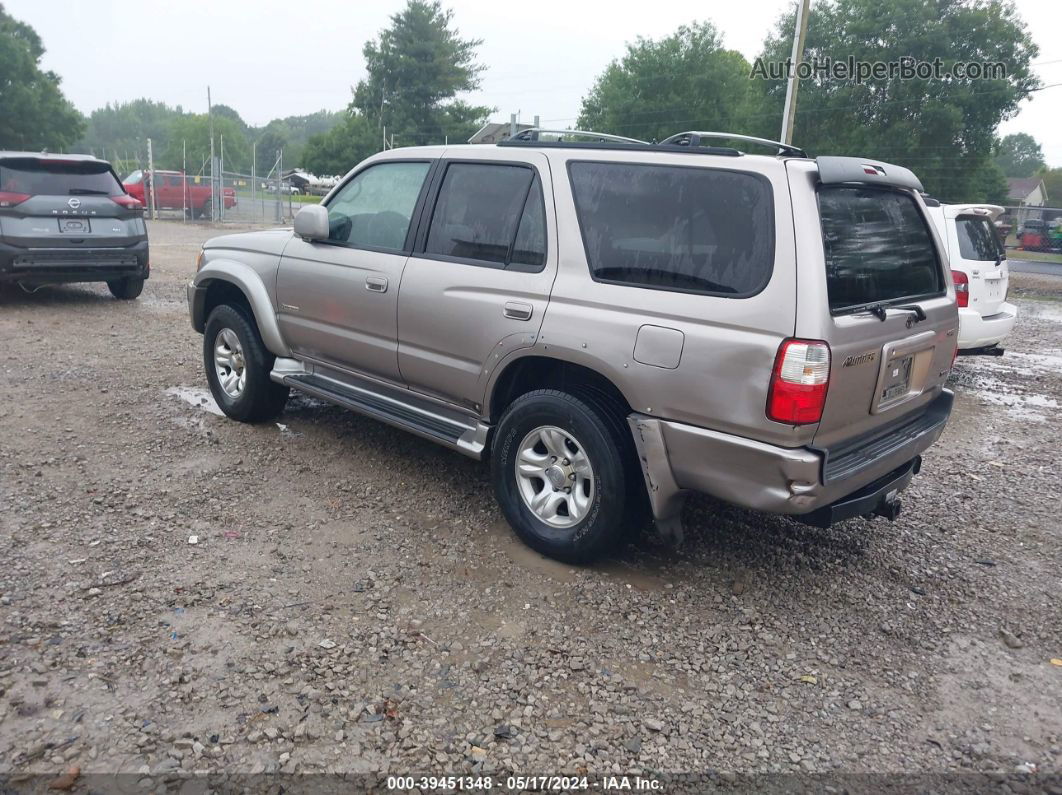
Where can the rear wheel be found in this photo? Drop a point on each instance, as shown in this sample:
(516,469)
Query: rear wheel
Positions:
(126,289)
(560,476)
(205,210)
(238,365)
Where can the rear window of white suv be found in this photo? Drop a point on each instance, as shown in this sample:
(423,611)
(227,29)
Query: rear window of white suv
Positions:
(681,228)
(977,239)
(878,248)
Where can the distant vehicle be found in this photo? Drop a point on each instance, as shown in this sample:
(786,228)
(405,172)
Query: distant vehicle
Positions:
(66,218)
(979,271)
(287,188)
(613,324)
(1033,235)
(175,191)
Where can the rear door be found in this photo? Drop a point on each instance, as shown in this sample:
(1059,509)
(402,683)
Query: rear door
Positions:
(975,249)
(477,284)
(873,284)
(60,204)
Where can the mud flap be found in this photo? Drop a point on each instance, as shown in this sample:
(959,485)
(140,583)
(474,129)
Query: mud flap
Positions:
(665,496)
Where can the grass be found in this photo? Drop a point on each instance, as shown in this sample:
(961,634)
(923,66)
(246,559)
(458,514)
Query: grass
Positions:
(1035,256)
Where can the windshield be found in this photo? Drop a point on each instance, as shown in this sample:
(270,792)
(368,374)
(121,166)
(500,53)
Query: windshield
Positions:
(978,239)
(878,248)
(134,179)
(58,178)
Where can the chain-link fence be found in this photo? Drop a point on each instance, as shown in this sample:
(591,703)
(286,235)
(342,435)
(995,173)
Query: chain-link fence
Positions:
(210,192)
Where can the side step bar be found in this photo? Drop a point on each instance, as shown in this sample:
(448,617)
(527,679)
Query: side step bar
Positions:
(467,437)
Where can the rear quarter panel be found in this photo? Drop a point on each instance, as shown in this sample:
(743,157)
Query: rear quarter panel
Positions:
(729,344)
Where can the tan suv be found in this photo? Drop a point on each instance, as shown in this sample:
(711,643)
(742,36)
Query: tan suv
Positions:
(615,323)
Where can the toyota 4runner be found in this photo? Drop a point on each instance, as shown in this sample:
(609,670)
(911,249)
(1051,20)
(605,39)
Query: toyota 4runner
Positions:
(614,323)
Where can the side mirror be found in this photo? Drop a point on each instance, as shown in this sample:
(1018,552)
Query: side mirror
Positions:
(311,223)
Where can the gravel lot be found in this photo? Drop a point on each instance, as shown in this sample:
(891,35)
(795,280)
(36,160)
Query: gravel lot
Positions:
(355,603)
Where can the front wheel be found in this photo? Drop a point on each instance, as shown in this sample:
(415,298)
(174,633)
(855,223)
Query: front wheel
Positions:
(238,365)
(560,476)
(126,289)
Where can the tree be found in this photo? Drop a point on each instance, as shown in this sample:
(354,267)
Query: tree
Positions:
(35,114)
(989,185)
(120,131)
(416,68)
(658,88)
(1019,155)
(944,129)
(337,151)
(1052,178)
(293,132)
(193,130)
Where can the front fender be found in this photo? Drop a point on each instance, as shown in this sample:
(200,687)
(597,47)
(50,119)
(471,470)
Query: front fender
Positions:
(249,282)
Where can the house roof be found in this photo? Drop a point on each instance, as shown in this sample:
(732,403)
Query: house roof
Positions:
(1021,187)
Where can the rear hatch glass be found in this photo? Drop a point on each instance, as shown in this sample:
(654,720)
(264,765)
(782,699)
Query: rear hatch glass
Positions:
(980,247)
(878,248)
(58,178)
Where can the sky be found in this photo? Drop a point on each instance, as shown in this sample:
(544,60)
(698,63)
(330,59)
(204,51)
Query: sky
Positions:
(275,58)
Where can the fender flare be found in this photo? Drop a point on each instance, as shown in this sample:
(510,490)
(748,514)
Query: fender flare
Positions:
(248,282)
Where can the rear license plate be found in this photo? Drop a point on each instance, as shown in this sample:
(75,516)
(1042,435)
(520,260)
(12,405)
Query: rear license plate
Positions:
(897,379)
(74,225)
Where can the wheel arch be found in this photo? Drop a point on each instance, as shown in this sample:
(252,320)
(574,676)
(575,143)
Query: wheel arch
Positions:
(226,282)
(534,371)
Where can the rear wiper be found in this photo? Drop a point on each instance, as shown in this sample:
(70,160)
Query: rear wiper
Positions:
(88,192)
(880,310)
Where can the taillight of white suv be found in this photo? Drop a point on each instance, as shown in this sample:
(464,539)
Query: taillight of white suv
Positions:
(962,288)
(799,382)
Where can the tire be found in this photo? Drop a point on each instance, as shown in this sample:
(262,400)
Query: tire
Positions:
(232,330)
(205,210)
(553,432)
(126,289)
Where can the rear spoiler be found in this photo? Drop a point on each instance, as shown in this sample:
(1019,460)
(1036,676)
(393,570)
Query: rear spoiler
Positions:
(838,170)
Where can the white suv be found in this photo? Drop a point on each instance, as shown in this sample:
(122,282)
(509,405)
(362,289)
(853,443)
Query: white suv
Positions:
(979,270)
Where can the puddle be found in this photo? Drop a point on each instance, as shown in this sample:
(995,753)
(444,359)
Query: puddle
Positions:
(1020,406)
(199,398)
(1046,311)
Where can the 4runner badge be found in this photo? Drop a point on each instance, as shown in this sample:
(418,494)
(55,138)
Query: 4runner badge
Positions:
(863,358)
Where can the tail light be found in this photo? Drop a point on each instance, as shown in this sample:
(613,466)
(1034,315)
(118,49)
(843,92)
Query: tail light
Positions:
(128,202)
(799,382)
(962,288)
(9,199)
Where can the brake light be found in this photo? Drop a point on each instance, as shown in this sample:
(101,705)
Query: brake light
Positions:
(9,199)
(128,202)
(799,382)
(962,288)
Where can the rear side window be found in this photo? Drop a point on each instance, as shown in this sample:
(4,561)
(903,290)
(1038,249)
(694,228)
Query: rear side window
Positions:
(675,227)
(978,239)
(878,248)
(58,178)
(490,213)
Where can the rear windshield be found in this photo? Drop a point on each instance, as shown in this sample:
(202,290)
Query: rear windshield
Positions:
(978,240)
(878,248)
(676,228)
(56,178)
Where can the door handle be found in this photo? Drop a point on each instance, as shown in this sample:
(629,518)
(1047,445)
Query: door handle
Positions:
(377,284)
(517,310)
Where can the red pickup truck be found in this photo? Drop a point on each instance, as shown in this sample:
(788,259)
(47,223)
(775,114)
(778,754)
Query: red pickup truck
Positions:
(175,191)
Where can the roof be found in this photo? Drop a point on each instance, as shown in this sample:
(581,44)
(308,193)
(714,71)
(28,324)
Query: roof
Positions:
(1020,187)
(5,155)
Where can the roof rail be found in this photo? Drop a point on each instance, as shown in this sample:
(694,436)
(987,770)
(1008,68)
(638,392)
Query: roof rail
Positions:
(693,138)
(532,134)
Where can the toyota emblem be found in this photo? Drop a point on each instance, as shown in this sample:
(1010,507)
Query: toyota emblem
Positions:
(74,202)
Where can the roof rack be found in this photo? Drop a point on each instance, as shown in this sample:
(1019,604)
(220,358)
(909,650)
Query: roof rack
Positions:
(532,134)
(693,138)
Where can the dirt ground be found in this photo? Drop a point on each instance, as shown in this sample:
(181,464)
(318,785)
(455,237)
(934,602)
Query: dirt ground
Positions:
(353,601)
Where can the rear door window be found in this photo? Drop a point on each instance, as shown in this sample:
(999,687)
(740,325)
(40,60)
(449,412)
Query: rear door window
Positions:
(978,239)
(490,213)
(58,178)
(676,228)
(878,248)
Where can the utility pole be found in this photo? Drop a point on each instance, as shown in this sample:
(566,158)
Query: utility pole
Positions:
(152,197)
(799,34)
(213,185)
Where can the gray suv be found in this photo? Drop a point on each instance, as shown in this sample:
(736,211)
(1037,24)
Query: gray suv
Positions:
(615,324)
(67,218)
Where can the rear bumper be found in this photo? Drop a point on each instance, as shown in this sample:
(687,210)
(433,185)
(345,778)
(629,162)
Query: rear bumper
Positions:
(52,265)
(977,331)
(678,459)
